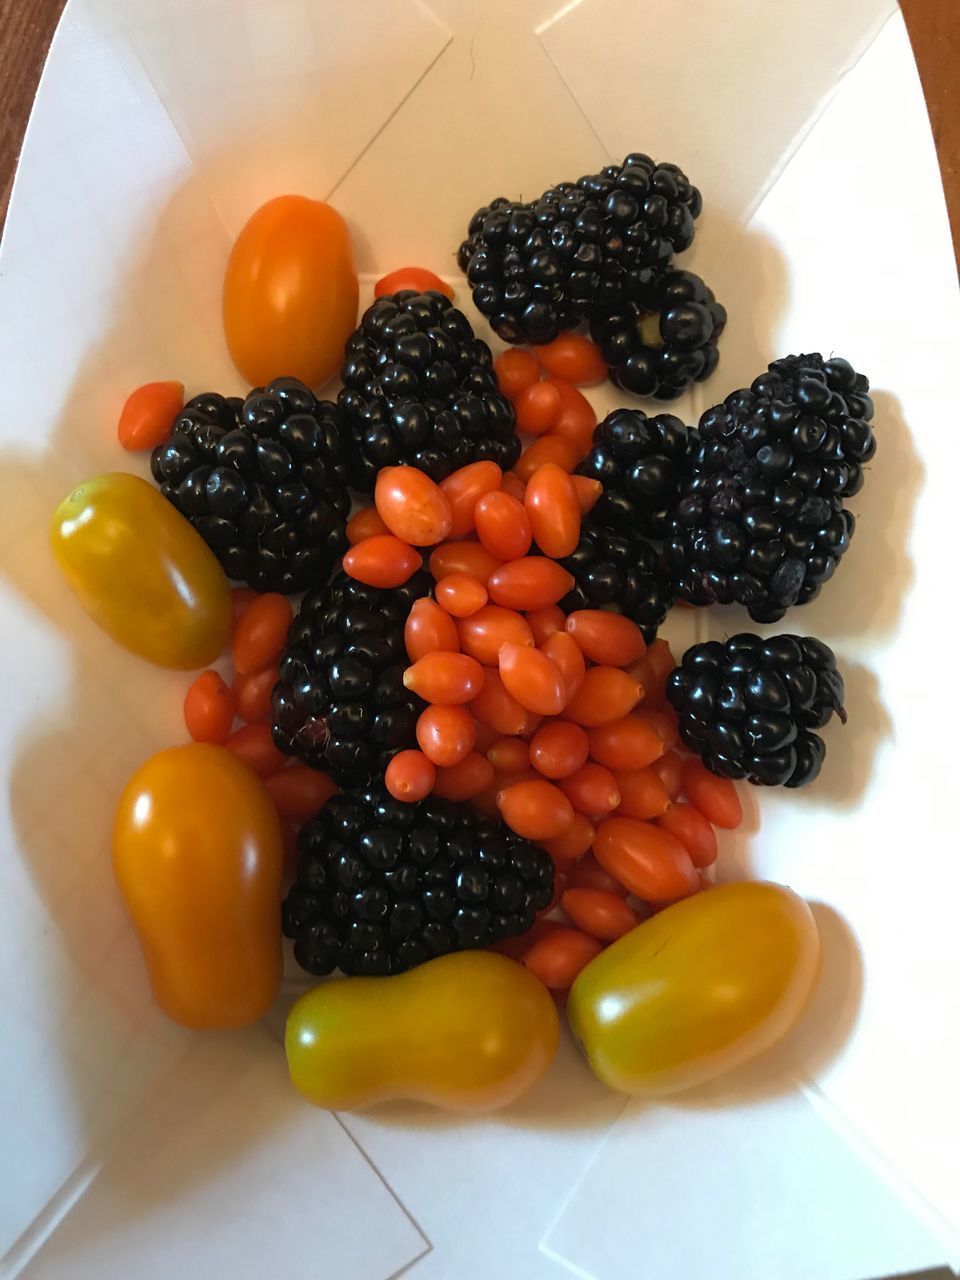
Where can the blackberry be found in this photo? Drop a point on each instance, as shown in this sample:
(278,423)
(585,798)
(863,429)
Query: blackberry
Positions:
(750,706)
(761,520)
(263,481)
(641,463)
(340,703)
(538,268)
(382,886)
(621,569)
(419,388)
(665,339)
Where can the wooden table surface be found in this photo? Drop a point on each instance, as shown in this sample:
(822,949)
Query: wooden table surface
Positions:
(26,27)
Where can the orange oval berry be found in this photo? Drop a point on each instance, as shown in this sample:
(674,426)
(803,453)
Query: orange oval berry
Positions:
(651,862)
(538,408)
(382,561)
(693,831)
(549,448)
(254,745)
(558,957)
(485,632)
(253,694)
(429,629)
(605,694)
(535,809)
(208,708)
(259,636)
(460,595)
(559,749)
(465,780)
(664,722)
(420,279)
(446,735)
(599,912)
(446,679)
(516,370)
(513,485)
(587,873)
(533,582)
(532,679)
(463,557)
(642,794)
(562,651)
(589,492)
(592,790)
(298,791)
(146,419)
(574,358)
(716,798)
(495,707)
(573,844)
(365,523)
(607,638)
(503,526)
(545,623)
(625,744)
(669,769)
(409,776)
(412,506)
(464,488)
(509,756)
(551,503)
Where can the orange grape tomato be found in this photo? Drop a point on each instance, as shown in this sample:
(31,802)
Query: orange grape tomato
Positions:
(495,707)
(516,370)
(259,636)
(538,408)
(465,780)
(545,623)
(577,421)
(208,708)
(290,292)
(625,744)
(559,749)
(693,831)
(533,582)
(651,862)
(299,791)
(419,279)
(382,561)
(551,503)
(509,755)
(447,679)
(665,723)
(592,790)
(241,598)
(146,418)
(716,798)
(446,735)
(574,358)
(535,809)
(605,694)
(573,844)
(602,914)
(661,662)
(460,595)
(588,492)
(503,525)
(410,776)
(513,485)
(486,736)
(412,506)
(366,523)
(642,794)
(254,745)
(484,633)
(429,628)
(549,448)
(669,769)
(463,557)
(253,694)
(464,488)
(587,873)
(563,651)
(557,958)
(606,637)
(530,677)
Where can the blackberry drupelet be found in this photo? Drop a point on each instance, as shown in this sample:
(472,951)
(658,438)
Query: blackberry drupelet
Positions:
(341,704)
(621,569)
(761,520)
(419,388)
(263,480)
(641,463)
(541,267)
(665,339)
(750,706)
(382,886)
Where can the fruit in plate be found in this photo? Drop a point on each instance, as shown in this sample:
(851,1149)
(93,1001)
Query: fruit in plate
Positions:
(141,572)
(468,1032)
(198,856)
(290,292)
(698,989)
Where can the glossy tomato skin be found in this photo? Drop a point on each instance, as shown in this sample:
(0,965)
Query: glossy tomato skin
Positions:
(198,856)
(290,292)
(142,572)
(698,989)
(468,1032)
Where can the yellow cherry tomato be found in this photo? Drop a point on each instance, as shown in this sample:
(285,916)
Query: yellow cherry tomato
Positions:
(198,855)
(142,572)
(469,1032)
(700,988)
(290,293)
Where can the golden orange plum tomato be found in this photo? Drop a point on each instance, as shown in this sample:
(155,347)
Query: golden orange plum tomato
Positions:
(468,1032)
(142,572)
(698,989)
(198,856)
(290,293)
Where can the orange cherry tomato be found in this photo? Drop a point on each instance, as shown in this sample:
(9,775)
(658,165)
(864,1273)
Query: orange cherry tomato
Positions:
(382,561)
(419,279)
(602,914)
(551,503)
(367,523)
(299,791)
(587,873)
(516,370)
(574,843)
(592,790)
(558,957)
(464,489)
(253,694)
(625,744)
(549,448)
(410,776)
(446,735)
(533,582)
(693,831)
(665,723)
(563,651)
(447,679)
(503,526)
(559,749)
(463,557)
(484,633)
(290,292)
(642,794)
(545,623)
(669,769)
(460,595)
(574,358)
(146,418)
(538,408)
(651,862)
(429,629)
(531,678)
(716,798)
(412,506)
(465,780)
(605,694)
(208,708)
(535,809)
(513,485)
(604,637)
(241,598)
(254,745)
(509,756)
(259,636)
(589,492)
(496,708)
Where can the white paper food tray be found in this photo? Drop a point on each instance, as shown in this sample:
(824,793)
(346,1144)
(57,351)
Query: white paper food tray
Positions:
(129,1147)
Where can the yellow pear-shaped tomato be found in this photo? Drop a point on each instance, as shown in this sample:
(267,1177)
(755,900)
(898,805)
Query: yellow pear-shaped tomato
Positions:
(142,572)
(290,292)
(198,854)
(698,989)
(469,1031)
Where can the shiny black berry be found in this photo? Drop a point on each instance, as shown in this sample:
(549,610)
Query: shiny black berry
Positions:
(621,569)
